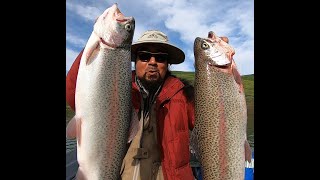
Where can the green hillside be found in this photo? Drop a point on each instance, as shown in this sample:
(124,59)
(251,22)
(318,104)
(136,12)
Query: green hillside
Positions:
(189,76)
(247,80)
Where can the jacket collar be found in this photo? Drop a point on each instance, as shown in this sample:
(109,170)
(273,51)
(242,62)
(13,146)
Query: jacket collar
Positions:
(170,87)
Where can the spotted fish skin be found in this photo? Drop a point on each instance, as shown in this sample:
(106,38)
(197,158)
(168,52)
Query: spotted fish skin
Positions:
(219,135)
(103,97)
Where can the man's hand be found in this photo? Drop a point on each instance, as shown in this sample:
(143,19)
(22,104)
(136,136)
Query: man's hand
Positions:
(225,39)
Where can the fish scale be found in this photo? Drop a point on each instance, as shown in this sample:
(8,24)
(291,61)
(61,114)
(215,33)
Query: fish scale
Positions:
(103,97)
(219,135)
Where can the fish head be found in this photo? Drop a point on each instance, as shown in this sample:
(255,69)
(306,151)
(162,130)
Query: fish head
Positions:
(114,29)
(213,51)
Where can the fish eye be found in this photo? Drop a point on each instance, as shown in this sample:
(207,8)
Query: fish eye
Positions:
(204,45)
(128,27)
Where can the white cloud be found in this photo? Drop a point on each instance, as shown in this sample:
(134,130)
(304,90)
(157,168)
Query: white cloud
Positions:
(75,40)
(181,67)
(70,57)
(243,58)
(190,19)
(188,64)
(89,13)
(138,32)
(186,18)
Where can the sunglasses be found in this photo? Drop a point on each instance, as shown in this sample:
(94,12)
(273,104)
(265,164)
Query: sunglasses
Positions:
(145,56)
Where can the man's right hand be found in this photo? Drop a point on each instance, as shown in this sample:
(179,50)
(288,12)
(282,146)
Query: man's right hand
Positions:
(225,39)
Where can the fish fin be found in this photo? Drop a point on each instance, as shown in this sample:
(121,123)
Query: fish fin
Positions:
(92,45)
(237,76)
(247,151)
(71,129)
(134,125)
(80,175)
(78,126)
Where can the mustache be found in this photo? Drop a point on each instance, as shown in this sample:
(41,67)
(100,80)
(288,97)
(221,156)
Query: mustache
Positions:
(152,69)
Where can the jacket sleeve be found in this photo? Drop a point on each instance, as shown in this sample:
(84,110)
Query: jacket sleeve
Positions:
(71,81)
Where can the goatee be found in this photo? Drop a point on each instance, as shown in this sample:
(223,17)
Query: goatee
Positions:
(151,85)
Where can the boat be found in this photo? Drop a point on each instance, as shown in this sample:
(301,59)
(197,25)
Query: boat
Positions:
(72,163)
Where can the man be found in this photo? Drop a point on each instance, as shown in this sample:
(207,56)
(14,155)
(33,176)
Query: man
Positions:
(167,113)
(160,150)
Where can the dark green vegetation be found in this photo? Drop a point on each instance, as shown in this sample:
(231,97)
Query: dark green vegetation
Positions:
(248,82)
(189,76)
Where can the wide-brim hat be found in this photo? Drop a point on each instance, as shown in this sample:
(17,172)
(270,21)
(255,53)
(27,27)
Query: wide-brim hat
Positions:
(176,55)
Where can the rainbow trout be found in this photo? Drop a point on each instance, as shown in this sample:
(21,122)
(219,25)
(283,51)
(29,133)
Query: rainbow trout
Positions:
(103,97)
(219,136)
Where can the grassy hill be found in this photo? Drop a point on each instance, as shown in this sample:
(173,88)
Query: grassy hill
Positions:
(248,82)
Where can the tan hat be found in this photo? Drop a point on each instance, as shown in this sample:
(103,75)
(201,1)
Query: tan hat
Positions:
(176,55)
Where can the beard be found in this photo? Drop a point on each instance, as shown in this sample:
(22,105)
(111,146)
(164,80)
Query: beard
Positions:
(151,83)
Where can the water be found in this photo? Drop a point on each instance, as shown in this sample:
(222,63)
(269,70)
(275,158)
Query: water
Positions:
(70,144)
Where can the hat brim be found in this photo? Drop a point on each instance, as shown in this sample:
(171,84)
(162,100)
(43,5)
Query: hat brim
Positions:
(176,55)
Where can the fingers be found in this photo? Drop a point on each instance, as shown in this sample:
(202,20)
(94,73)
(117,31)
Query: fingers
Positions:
(225,39)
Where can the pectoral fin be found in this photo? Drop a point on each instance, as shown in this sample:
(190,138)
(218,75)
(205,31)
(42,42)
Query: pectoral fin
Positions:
(71,131)
(74,129)
(91,47)
(247,151)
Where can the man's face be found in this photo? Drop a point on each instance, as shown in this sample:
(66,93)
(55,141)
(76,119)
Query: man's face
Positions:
(151,68)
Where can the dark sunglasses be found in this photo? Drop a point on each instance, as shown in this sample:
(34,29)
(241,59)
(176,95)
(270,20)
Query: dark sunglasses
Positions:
(145,56)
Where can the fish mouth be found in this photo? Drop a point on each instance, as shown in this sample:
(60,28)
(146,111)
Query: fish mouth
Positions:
(121,18)
(224,66)
(220,61)
(215,56)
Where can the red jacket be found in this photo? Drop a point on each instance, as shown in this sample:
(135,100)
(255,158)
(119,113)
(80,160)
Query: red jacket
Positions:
(175,117)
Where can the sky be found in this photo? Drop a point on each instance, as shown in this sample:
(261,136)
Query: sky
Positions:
(181,20)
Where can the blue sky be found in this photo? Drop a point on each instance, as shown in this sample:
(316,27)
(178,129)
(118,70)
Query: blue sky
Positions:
(181,20)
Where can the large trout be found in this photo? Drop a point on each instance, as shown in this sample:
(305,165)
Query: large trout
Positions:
(219,136)
(103,97)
